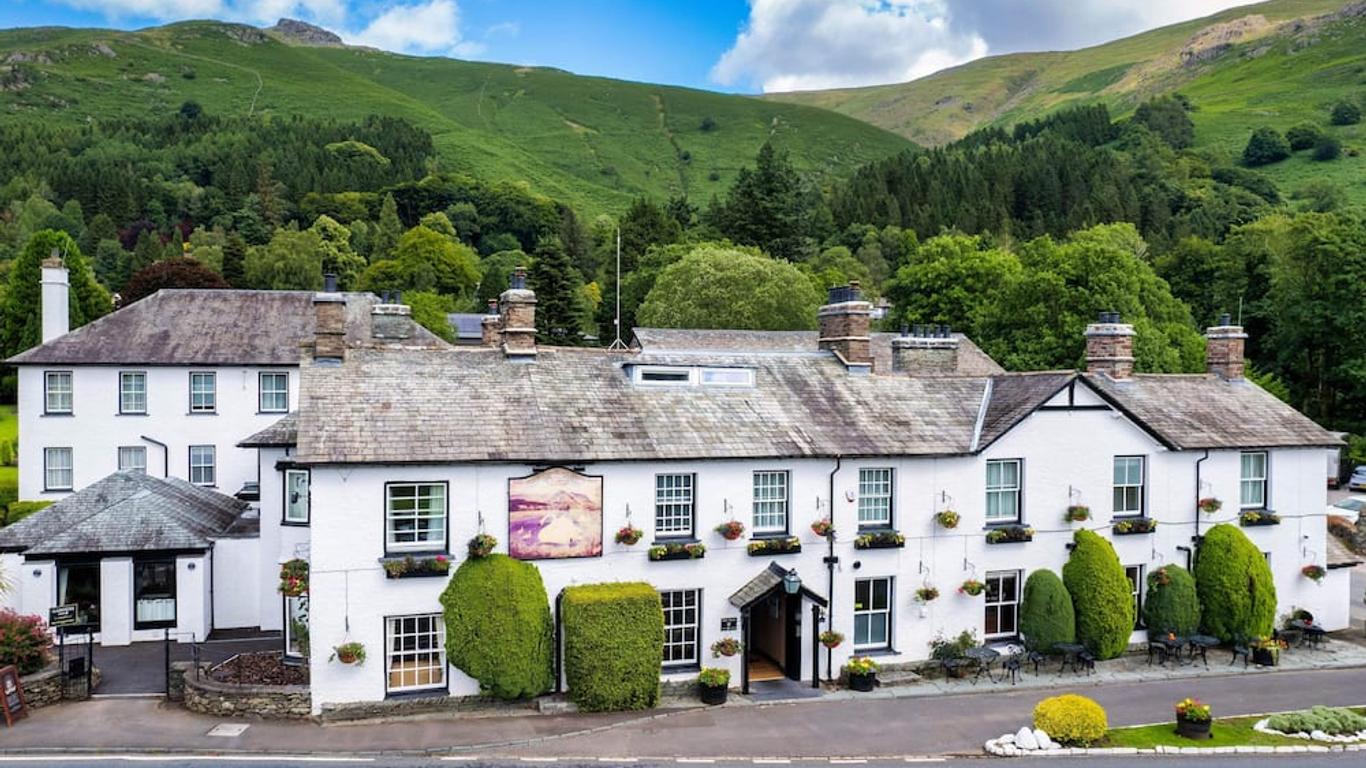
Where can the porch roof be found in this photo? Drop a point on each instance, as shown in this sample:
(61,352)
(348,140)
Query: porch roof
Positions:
(765,582)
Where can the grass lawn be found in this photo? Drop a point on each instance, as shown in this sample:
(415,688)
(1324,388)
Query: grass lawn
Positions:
(9,429)
(1227,732)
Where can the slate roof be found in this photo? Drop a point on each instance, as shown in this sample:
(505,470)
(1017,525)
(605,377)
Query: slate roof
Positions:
(972,361)
(1339,555)
(1015,396)
(1195,411)
(766,581)
(127,512)
(468,326)
(206,327)
(282,433)
(472,404)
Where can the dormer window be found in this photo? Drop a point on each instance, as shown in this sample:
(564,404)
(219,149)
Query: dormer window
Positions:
(727,377)
(679,376)
(660,376)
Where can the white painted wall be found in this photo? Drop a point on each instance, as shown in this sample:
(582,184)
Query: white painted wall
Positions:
(1062,450)
(278,541)
(192,598)
(116,601)
(95,430)
(236,583)
(11,572)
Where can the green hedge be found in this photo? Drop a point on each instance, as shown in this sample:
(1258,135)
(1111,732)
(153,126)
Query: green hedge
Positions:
(498,626)
(613,645)
(1233,580)
(18,510)
(1171,603)
(1046,613)
(1100,594)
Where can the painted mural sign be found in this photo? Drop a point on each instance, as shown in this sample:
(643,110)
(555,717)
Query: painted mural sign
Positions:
(555,513)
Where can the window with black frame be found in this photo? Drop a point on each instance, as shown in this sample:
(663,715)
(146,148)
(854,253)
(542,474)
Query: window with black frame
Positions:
(154,594)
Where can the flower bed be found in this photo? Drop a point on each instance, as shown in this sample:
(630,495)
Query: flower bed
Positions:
(1331,724)
(879,540)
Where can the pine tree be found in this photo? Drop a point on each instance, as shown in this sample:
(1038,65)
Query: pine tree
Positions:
(388,231)
(558,311)
(234,257)
(22,308)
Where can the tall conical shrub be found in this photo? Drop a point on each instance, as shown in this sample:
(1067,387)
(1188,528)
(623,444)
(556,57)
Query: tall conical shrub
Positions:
(498,627)
(1100,594)
(1171,603)
(1235,586)
(1046,612)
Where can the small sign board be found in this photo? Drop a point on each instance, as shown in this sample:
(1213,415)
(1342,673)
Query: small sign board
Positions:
(63,616)
(12,695)
(730,624)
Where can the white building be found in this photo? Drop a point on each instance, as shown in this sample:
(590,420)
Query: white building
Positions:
(170,386)
(413,452)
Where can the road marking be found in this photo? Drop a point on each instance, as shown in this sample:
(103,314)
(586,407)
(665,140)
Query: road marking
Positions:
(694,760)
(616,759)
(835,761)
(539,759)
(460,759)
(771,761)
(182,758)
(924,759)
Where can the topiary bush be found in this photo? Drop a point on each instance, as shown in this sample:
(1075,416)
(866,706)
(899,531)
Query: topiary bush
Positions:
(1100,595)
(612,645)
(1046,613)
(1337,721)
(1071,719)
(1171,603)
(1234,584)
(498,626)
(24,642)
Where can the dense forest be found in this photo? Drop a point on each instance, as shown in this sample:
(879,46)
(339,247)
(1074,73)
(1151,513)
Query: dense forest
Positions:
(1017,237)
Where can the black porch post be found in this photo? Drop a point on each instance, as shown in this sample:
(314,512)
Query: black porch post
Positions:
(744,651)
(559,640)
(815,646)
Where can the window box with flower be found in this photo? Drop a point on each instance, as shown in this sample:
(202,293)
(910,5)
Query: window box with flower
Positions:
(1134,526)
(1193,719)
(777,545)
(416,566)
(1266,651)
(1253,518)
(883,539)
(676,551)
(1010,534)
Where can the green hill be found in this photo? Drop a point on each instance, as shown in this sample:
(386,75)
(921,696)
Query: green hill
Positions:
(1277,63)
(593,142)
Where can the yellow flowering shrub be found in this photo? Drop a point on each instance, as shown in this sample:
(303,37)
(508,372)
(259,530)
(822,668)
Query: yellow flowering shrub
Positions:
(1071,719)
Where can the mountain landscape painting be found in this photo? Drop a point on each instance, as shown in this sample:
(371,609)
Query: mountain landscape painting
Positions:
(555,513)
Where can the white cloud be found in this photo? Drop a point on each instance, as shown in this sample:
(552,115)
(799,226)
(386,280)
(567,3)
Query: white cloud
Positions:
(430,27)
(150,9)
(269,11)
(809,44)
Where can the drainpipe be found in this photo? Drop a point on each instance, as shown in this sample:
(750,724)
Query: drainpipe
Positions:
(1196,538)
(830,561)
(165,455)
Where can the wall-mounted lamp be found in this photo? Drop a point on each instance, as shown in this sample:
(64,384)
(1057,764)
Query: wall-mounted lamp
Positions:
(792,583)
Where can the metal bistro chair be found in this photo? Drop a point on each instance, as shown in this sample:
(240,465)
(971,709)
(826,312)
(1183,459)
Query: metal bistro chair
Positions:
(1241,647)
(1012,666)
(1159,649)
(1087,661)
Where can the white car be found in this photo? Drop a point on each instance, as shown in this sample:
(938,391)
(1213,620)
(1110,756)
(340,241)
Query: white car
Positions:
(1357,482)
(1350,507)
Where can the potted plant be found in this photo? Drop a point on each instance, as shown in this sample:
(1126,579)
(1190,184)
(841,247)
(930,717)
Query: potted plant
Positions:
(947,519)
(1266,651)
(482,545)
(349,653)
(926,594)
(1192,719)
(862,673)
(294,577)
(879,540)
(713,683)
(726,646)
(1078,513)
(831,639)
(1314,573)
(972,587)
(1209,505)
(731,529)
(823,527)
(629,535)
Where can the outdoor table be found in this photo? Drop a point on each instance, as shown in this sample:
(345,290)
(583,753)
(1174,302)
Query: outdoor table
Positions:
(1173,644)
(1313,633)
(984,656)
(1070,653)
(1200,644)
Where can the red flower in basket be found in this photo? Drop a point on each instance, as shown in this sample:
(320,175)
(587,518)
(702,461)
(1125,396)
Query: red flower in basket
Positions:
(731,530)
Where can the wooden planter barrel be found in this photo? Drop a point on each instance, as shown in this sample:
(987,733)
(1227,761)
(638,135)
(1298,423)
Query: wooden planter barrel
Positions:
(864,683)
(713,694)
(1192,729)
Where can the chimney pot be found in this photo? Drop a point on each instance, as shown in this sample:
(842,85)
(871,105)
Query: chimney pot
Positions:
(56,298)
(517,316)
(1224,349)
(518,280)
(329,282)
(1110,346)
(928,351)
(329,326)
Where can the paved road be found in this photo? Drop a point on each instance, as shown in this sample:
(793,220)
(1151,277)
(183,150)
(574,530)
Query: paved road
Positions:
(1341,760)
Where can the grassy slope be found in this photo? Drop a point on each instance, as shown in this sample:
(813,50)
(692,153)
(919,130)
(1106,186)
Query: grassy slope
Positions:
(9,430)
(591,141)
(1292,78)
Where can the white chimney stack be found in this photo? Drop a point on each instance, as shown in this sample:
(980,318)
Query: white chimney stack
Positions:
(56,298)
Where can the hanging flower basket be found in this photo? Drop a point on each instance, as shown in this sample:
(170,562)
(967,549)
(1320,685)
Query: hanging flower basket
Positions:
(629,535)
(1314,573)
(823,527)
(1078,513)
(947,519)
(482,545)
(1210,505)
(731,530)
(349,653)
(926,594)
(831,639)
(1162,577)
(726,646)
(294,578)
(972,587)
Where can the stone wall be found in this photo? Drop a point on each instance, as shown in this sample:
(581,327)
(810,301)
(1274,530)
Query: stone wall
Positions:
(272,702)
(422,705)
(44,688)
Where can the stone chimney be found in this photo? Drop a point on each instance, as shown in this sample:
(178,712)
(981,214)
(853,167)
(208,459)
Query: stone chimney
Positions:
(329,322)
(517,309)
(491,326)
(391,319)
(1224,349)
(925,350)
(1110,347)
(56,306)
(844,325)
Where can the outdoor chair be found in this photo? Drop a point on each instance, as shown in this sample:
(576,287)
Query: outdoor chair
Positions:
(1241,648)
(1012,665)
(1036,658)
(1087,660)
(1158,649)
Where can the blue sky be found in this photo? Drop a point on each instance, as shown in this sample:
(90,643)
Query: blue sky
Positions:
(733,45)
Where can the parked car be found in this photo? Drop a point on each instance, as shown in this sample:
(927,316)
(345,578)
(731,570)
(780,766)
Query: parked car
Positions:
(1350,507)
(1358,480)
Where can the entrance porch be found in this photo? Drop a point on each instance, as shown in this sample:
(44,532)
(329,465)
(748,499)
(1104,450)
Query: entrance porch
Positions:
(771,606)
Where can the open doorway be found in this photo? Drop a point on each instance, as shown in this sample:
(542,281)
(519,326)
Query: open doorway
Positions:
(775,638)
